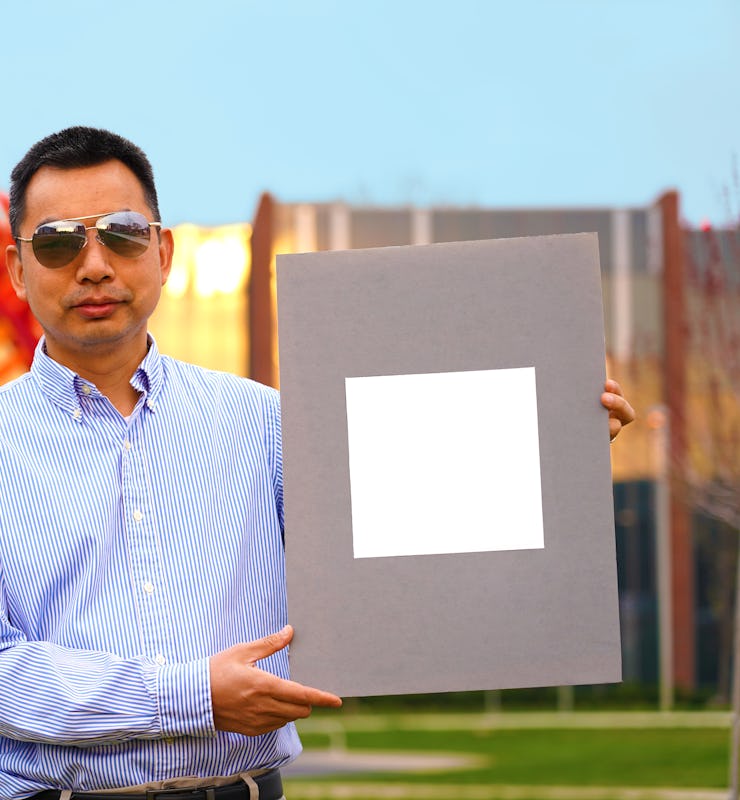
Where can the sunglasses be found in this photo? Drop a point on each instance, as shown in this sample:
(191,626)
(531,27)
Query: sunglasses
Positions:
(126,233)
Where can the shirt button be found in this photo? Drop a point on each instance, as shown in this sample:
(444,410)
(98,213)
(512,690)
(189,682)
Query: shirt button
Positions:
(127,445)
(77,413)
(149,587)
(86,389)
(150,404)
(138,516)
(160,659)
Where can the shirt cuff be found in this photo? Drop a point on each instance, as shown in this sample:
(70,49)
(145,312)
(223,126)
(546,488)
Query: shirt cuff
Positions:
(184,699)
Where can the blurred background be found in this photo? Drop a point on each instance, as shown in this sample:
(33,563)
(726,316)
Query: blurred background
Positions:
(296,126)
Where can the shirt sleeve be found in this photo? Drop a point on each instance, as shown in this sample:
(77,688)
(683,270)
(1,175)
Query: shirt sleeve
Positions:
(58,695)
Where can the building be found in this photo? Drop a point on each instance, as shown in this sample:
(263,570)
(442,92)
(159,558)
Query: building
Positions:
(672,319)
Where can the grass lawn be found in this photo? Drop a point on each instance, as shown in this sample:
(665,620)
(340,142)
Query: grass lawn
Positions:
(646,757)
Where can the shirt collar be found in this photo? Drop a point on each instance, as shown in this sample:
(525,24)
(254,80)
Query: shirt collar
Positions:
(64,387)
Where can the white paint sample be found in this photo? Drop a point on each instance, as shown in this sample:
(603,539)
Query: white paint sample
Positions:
(444,463)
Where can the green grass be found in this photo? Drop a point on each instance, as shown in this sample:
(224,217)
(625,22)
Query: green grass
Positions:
(572,757)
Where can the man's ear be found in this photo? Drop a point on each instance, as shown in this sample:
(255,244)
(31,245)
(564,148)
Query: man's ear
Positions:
(15,271)
(166,249)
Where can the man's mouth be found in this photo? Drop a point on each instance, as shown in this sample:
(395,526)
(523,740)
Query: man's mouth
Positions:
(97,308)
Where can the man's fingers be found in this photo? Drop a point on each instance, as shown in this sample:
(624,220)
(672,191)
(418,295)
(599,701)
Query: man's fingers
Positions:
(292,692)
(284,690)
(620,411)
(250,700)
(618,407)
(318,697)
(261,648)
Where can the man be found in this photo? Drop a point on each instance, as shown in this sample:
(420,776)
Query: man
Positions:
(141,519)
(141,516)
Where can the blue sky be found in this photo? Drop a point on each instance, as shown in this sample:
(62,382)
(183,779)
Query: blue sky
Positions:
(521,103)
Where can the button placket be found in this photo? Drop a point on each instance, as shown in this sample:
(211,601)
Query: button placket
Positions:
(142,543)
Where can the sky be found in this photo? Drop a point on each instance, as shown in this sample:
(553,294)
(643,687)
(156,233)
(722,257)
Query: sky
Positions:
(526,103)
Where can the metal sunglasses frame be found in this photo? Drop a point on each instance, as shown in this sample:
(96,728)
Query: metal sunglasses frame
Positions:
(87,228)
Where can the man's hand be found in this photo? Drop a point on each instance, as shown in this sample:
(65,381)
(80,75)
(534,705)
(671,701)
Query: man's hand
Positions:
(251,701)
(621,412)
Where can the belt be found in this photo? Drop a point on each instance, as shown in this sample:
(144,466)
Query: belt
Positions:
(270,787)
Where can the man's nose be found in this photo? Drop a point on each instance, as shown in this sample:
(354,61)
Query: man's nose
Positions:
(93,261)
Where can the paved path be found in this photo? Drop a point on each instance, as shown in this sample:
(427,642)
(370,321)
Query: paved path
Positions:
(336,762)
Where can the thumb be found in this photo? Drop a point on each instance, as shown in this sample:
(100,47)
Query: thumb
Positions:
(261,648)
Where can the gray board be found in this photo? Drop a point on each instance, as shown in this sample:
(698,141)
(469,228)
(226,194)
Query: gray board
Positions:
(450,621)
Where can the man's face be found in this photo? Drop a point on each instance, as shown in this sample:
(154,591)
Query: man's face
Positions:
(100,302)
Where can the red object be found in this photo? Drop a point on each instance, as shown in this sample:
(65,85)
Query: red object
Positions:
(675,393)
(17,324)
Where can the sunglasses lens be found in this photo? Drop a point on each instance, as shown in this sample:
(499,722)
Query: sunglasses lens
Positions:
(126,233)
(58,243)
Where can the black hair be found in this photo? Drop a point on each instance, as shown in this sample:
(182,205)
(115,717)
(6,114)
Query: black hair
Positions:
(76,147)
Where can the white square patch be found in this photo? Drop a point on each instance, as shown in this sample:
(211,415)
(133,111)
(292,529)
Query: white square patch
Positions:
(444,463)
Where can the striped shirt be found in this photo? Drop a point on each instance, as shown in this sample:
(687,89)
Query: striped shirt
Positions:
(130,551)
